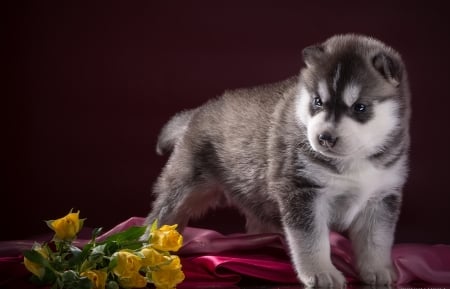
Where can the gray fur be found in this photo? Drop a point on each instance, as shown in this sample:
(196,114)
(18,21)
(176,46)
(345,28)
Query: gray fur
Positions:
(173,131)
(257,149)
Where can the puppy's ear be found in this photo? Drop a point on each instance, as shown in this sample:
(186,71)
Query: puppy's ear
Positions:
(388,67)
(312,54)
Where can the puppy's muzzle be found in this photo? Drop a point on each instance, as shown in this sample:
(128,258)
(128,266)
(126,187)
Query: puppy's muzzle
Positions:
(326,139)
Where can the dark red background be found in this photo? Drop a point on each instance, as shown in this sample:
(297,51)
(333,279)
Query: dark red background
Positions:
(88,86)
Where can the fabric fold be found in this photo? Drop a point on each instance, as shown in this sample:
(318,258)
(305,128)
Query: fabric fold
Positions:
(209,257)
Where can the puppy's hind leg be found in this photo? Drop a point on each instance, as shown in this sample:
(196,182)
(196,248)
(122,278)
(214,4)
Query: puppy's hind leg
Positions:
(168,208)
(181,193)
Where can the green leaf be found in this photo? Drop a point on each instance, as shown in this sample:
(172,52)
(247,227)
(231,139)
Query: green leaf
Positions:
(76,255)
(99,249)
(36,257)
(59,283)
(48,278)
(111,248)
(74,250)
(84,283)
(49,222)
(81,223)
(71,280)
(112,263)
(112,285)
(97,254)
(131,234)
(69,276)
(79,258)
(95,233)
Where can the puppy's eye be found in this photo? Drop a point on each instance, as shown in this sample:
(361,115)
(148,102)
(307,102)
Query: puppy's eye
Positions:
(359,107)
(317,102)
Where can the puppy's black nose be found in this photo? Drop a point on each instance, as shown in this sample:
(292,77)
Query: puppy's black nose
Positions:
(327,140)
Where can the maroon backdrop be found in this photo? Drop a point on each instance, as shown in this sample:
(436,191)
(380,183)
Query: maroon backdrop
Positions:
(87,88)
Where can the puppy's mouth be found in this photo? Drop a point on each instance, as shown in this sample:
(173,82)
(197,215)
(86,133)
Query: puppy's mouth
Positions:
(331,153)
(340,152)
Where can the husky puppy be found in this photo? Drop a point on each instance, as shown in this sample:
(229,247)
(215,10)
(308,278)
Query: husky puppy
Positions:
(324,150)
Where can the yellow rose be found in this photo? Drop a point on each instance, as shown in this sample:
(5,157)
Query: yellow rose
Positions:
(135,280)
(166,238)
(128,264)
(167,279)
(34,268)
(152,257)
(97,277)
(174,264)
(168,276)
(66,228)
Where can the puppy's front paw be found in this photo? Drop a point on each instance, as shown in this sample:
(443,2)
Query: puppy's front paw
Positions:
(331,278)
(383,276)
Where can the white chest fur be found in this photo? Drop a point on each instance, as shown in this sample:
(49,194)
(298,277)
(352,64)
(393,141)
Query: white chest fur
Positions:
(344,195)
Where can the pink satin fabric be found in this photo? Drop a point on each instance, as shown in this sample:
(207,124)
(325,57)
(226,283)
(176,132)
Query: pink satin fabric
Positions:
(209,257)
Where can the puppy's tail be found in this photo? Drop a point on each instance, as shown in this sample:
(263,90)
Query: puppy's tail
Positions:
(173,131)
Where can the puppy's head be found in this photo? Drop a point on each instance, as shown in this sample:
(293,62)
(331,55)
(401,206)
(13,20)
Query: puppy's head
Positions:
(352,97)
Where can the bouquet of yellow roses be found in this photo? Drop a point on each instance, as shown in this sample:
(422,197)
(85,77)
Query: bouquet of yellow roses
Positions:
(123,260)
